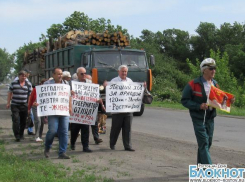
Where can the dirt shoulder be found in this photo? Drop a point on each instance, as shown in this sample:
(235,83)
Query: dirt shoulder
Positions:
(155,158)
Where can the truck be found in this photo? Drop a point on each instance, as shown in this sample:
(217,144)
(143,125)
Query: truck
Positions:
(101,62)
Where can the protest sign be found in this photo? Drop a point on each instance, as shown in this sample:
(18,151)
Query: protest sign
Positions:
(219,99)
(53,99)
(84,106)
(124,97)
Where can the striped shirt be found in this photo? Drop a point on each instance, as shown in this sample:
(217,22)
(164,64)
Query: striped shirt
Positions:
(20,94)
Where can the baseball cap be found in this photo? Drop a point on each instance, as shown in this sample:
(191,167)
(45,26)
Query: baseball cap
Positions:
(66,74)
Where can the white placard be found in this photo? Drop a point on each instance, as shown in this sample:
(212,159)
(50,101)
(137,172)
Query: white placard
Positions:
(124,97)
(53,99)
(84,106)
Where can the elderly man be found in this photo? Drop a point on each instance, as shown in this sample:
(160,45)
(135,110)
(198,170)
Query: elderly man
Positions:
(75,128)
(121,120)
(194,98)
(57,124)
(19,91)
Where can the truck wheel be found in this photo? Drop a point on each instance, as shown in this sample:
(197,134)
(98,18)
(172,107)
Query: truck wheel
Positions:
(141,110)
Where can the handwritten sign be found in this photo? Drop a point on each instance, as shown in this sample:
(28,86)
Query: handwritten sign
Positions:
(84,106)
(124,97)
(53,99)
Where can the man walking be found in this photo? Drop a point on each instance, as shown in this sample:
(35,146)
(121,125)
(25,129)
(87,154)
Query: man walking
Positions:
(57,123)
(194,97)
(19,91)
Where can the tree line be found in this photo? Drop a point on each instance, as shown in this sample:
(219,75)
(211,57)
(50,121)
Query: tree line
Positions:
(178,54)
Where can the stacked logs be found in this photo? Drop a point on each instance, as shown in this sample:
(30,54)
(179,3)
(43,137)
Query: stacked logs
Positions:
(34,55)
(75,37)
(86,37)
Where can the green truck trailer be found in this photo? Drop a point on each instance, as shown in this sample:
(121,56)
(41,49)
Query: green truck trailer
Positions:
(101,62)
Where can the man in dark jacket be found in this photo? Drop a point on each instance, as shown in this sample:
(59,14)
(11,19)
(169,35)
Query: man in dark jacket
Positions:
(194,98)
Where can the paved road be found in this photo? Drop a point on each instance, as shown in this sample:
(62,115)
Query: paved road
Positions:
(164,141)
(229,132)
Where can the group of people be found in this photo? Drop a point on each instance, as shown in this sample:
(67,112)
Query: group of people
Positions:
(22,99)
(194,98)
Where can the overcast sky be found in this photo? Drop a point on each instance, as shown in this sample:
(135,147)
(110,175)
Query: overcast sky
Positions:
(23,21)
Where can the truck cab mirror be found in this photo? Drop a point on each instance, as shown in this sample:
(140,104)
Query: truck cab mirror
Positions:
(84,59)
(152,60)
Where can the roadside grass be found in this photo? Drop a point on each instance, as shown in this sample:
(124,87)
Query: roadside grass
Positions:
(235,111)
(18,168)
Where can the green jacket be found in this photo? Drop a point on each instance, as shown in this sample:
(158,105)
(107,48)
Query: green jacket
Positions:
(193,96)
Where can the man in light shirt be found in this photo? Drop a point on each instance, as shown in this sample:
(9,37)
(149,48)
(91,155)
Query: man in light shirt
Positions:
(121,120)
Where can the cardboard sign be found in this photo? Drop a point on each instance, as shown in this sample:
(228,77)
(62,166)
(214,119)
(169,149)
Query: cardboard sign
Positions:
(53,99)
(124,97)
(84,106)
(220,99)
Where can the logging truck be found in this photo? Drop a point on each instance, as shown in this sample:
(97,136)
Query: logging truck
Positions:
(100,61)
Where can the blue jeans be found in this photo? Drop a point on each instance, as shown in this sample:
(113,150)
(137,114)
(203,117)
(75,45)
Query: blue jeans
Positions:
(30,129)
(59,125)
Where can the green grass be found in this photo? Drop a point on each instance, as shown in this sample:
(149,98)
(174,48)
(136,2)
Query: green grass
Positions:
(235,111)
(19,168)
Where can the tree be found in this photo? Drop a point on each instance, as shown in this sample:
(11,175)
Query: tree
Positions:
(77,21)
(205,40)
(236,60)
(80,21)
(19,54)
(175,43)
(6,62)
(230,34)
(55,31)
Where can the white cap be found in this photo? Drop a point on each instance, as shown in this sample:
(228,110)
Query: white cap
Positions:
(206,63)
(66,74)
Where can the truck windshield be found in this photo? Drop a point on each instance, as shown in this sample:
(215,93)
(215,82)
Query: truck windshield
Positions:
(113,59)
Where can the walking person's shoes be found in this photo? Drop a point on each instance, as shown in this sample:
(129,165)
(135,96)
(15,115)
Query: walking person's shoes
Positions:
(63,156)
(129,149)
(112,147)
(98,140)
(46,153)
(17,138)
(22,137)
(39,139)
(87,150)
(73,147)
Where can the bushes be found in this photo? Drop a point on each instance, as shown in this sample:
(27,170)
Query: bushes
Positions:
(168,80)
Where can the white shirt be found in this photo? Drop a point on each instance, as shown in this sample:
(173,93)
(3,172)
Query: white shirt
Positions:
(118,79)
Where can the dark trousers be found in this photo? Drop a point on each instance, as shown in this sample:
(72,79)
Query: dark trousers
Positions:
(204,136)
(95,130)
(121,121)
(19,115)
(75,128)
